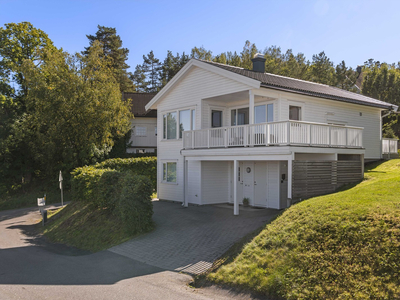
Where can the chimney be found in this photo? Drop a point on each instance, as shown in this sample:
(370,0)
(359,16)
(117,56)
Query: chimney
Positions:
(258,63)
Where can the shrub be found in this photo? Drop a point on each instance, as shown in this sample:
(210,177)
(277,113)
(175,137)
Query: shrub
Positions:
(135,207)
(146,166)
(84,183)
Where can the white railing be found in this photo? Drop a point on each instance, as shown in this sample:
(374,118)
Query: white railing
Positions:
(389,146)
(275,133)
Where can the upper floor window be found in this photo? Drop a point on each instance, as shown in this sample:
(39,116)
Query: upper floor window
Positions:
(263,113)
(140,131)
(169,122)
(186,120)
(216,118)
(294,113)
(240,116)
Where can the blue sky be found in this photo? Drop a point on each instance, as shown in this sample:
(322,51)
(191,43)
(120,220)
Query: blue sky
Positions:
(351,30)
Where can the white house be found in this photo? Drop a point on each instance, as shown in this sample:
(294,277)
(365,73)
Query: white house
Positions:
(144,125)
(227,133)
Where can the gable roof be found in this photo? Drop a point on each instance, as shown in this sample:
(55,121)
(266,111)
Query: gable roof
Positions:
(277,82)
(305,87)
(138,103)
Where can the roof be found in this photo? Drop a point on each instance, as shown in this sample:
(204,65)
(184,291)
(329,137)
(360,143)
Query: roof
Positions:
(304,87)
(138,103)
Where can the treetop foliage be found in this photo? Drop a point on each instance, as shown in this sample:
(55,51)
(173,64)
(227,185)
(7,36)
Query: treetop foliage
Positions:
(111,44)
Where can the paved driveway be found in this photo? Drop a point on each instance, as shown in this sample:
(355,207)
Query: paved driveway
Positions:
(190,239)
(184,239)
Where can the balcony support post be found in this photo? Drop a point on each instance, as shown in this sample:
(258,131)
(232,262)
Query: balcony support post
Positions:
(235,196)
(251,107)
(289,181)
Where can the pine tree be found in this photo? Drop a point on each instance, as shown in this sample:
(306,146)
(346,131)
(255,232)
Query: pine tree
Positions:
(112,49)
(171,65)
(151,68)
(321,69)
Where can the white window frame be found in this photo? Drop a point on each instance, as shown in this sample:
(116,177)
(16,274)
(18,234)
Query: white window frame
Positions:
(178,122)
(165,178)
(298,104)
(266,103)
(139,132)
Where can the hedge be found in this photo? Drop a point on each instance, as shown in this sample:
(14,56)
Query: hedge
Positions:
(146,166)
(119,186)
(135,207)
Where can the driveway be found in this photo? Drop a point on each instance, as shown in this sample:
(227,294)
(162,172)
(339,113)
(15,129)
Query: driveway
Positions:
(186,239)
(190,239)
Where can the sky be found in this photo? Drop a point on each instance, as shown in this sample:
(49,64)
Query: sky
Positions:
(352,30)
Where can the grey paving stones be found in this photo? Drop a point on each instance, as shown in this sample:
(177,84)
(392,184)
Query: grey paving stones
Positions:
(190,239)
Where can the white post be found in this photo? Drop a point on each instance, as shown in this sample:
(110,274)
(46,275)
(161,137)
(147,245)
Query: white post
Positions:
(235,198)
(251,107)
(289,181)
(185,202)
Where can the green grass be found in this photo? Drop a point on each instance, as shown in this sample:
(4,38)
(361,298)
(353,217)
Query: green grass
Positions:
(84,227)
(344,245)
(28,196)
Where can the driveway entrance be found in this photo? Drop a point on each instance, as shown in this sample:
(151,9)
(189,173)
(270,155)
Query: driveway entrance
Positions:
(190,239)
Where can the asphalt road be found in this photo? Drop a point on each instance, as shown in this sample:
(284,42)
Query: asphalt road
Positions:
(31,268)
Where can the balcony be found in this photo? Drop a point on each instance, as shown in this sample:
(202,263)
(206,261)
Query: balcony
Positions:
(297,133)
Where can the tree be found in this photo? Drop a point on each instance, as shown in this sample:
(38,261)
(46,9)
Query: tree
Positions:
(112,49)
(18,43)
(248,52)
(345,78)
(151,69)
(74,109)
(201,53)
(321,69)
(172,65)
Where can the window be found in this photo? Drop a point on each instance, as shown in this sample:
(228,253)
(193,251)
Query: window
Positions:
(260,114)
(270,113)
(240,116)
(216,118)
(169,172)
(169,121)
(140,131)
(294,113)
(186,120)
(140,151)
(263,113)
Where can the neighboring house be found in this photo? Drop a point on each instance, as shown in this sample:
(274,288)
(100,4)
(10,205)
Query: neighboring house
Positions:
(227,133)
(144,125)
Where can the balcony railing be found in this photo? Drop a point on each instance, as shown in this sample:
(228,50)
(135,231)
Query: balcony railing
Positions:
(275,133)
(389,146)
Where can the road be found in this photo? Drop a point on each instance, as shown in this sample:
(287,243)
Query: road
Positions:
(31,268)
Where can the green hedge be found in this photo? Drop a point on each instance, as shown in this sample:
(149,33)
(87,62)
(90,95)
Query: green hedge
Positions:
(146,166)
(135,207)
(119,186)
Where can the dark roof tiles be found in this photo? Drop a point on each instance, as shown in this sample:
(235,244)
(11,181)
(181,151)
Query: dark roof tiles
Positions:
(304,87)
(138,103)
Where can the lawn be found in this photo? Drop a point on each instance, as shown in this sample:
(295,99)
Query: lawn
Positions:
(84,227)
(344,245)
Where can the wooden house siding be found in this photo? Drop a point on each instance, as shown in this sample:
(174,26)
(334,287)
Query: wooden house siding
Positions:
(198,84)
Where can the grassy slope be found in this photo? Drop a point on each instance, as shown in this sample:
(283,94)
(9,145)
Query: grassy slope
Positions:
(340,246)
(28,198)
(86,228)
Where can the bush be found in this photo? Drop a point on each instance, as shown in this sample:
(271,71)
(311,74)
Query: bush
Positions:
(135,207)
(146,166)
(116,187)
